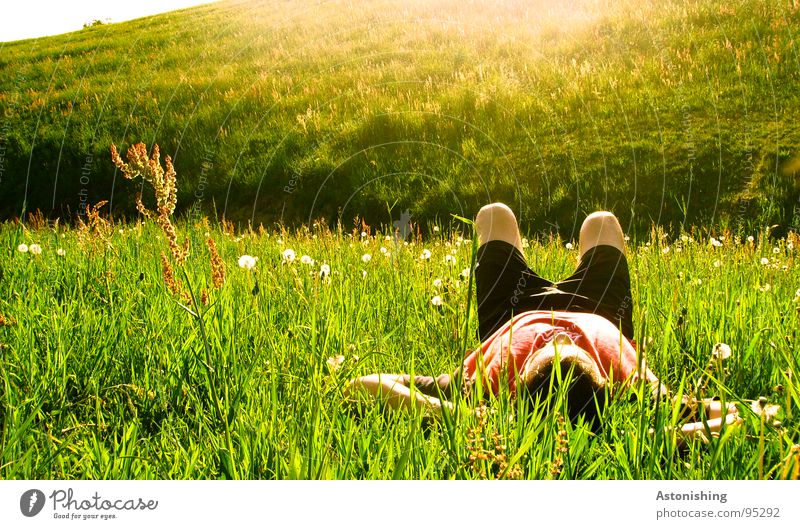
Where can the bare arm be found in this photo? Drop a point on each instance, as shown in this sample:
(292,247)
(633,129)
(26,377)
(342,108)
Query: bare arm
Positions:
(396,394)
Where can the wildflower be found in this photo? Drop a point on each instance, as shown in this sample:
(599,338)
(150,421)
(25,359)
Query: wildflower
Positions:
(761,407)
(465,273)
(366,258)
(363,234)
(750,239)
(714,242)
(335,362)
(450,260)
(717,263)
(436,229)
(764,261)
(722,351)
(525,242)
(437,283)
(698,281)
(626,238)
(665,249)
(363,274)
(217,265)
(765,288)
(426,254)
(288,255)
(684,238)
(35,249)
(324,271)
(172,283)
(247,262)
(307,260)
(383,250)
(790,245)
(568,246)
(680,276)
(436,301)
(387,238)
(22,248)
(61,253)
(776,250)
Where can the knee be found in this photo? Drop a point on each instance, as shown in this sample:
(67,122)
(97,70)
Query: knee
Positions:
(495,212)
(601,220)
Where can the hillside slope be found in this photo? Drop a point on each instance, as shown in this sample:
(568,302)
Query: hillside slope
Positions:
(675,112)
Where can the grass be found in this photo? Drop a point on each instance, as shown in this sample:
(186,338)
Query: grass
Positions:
(678,113)
(104,375)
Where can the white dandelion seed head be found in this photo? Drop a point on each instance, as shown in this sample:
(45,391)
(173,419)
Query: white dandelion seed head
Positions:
(61,252)
(765,288)
(383,250)
(717,263)
(568,246)
(764,261)
(762,407)
(437,283)
(35,249)
(363,234)
(684,238)
(722,351)
(525,242)
(750,238)
(366,258)
(425,255)
(626,238)
(665,249)
(335,362)
(324,270)
(715,242)
(307,260)
(776,250)
(363,274)
(22,248)
(465,273)
(387,238)
(436,301)
(436,229)
(450,260)
(288,255)
(248,262)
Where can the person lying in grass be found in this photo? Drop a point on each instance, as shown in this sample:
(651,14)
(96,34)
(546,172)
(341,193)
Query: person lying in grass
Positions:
(533,332)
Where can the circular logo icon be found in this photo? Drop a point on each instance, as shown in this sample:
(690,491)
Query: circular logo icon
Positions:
(31,502)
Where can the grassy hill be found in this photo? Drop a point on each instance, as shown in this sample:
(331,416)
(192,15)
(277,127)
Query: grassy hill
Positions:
(673,112)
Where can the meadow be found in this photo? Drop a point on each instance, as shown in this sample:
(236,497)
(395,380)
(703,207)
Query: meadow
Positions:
(213,336)
(106,373)
(669,112)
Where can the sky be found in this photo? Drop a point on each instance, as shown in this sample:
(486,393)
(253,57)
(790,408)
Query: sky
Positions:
(24,19)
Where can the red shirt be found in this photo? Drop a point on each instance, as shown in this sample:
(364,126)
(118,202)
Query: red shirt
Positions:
(507,352)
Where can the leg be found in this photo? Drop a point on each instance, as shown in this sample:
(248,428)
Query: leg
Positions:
(601,283)
(502,276)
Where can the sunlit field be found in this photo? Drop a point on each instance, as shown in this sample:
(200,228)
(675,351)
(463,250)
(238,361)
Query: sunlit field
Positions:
(108,374)
(330,157)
